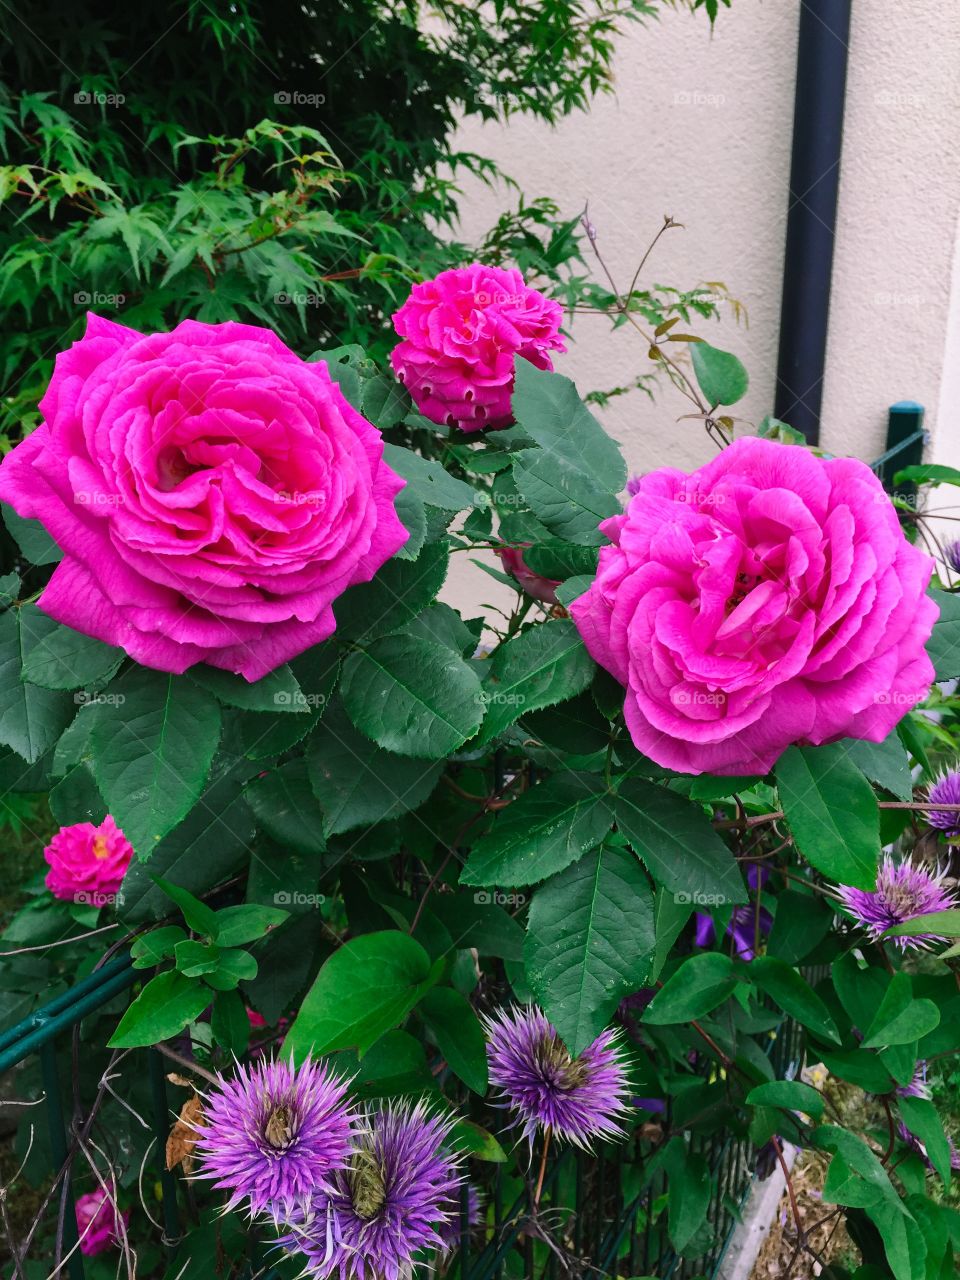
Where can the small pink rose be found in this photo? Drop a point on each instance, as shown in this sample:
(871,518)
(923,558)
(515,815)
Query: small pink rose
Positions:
(461,333)
(87,863)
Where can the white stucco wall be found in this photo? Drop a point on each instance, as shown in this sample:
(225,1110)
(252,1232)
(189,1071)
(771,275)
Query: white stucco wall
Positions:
(700,128)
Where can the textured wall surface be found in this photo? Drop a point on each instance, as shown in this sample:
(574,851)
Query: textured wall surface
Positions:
(700,128)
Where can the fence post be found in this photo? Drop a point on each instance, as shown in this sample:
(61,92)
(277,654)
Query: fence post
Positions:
(58,1147)
(905,442)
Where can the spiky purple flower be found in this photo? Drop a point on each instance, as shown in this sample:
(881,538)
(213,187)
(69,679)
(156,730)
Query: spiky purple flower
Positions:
(952,550)
(579,1099)
(917,1087)
(946,790)
(275,1134)
(390,1208)
(904,890)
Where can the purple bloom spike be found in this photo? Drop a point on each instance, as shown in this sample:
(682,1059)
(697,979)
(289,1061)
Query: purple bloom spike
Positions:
(579,1099)
(390,1208)
(904,890)
(946,790)
(273,1134)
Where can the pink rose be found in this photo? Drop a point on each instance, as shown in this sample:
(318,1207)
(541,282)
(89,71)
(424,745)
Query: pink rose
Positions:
(87,863)
(769,598)
(212,492)
(534,584)
(99,1222)
(461,334)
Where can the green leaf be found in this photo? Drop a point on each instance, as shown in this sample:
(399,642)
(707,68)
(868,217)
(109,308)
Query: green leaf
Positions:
(167,1004)
(459,1035)
(429,481)
(550,411)
(246,923)
(578,960)
(150,948)
(400,590)
(412,696)
(570,482)
(544,665)
(32,538)
(860,1067)
(702,982)
(541,832)
(210,844)
(791,991)
(368,986)
(233,967)
(31,718)
(277,691)
(793,1095)
(901,1019)
(946,923)
(152,754)
(358,784)
(927,473)
(885,763)
(832,812)
(229,1022)
(677,844)
(669,917)
(194,959)
(57,657)
(560,560)
(477,920)
(722,377)
(922,1119)
(689,1190)
(801,923)
(199,917)
(943,646)
(286,808)
(477,1142)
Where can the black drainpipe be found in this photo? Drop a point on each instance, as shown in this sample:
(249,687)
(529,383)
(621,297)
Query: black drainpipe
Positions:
(812,212)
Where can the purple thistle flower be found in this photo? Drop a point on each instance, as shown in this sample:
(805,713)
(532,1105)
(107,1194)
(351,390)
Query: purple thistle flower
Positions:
(274,1134)
(946,790)
(952,550)
(578,1099)
(392,1205)
(904,890)
(917,1087)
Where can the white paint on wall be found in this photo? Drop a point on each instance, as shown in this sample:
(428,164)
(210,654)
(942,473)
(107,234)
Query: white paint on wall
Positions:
(700,128)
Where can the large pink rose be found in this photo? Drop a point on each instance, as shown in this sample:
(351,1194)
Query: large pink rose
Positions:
(461,334)
(213,495)
(769,598)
